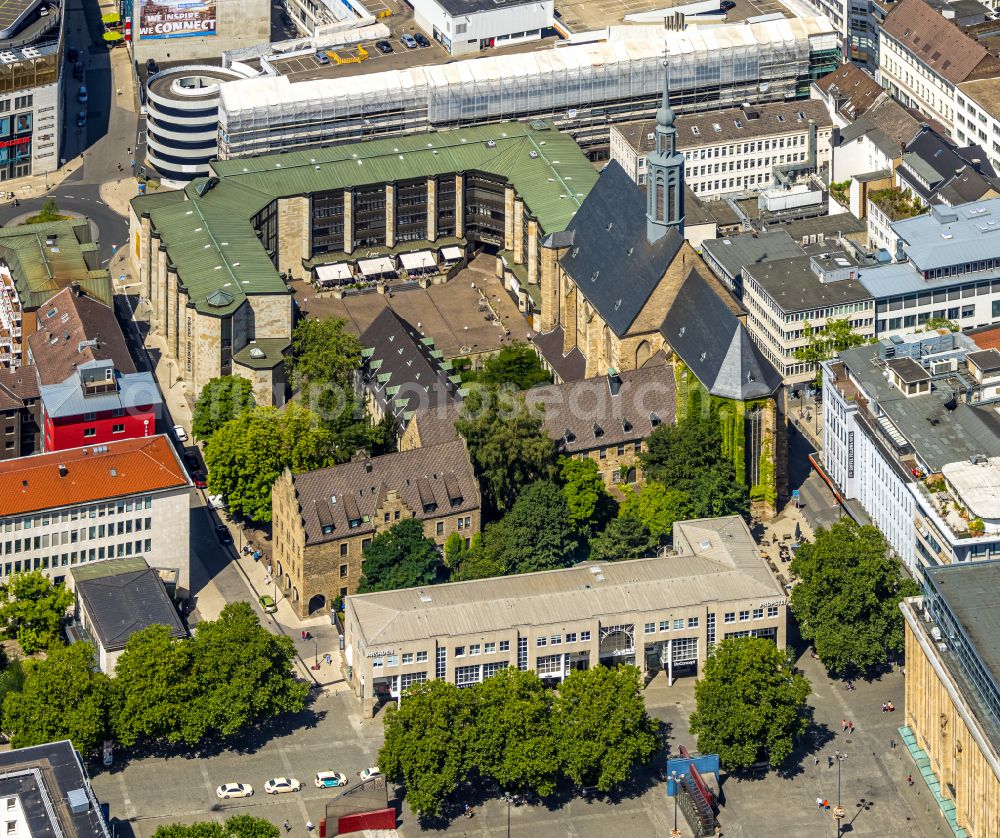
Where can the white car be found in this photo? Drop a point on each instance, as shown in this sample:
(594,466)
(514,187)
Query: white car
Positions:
(227,790)
(280,785)
(180,434)
(369,773)
(330,780)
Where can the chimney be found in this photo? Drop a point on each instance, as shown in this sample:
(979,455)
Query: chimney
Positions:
(63,471)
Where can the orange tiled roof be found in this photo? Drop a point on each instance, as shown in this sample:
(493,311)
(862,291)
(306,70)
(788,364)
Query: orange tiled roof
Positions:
(30,484)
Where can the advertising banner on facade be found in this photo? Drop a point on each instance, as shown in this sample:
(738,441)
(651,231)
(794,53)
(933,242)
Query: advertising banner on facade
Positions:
(176,18)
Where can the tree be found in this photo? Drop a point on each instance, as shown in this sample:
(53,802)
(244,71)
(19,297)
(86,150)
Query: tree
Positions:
(513,740)
(656,508)
(847,598)
(323,353)
(688,458)
(32,609)
(455,550)
(247,454)
(221,399)
(537,534)
(400,557)
(64,697)
(621,539)
(590,505)
(238,826)
(750,704)
(152,687)
(48,213)
(602,727)
(827,340)
(242,675)
(517,364)
(939,323)
(507,444)
(426,743)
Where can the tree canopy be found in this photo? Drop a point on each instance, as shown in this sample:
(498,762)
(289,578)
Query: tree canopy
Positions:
(688,458)
(623,538)
(847,598)
(323,353)
(537,534)
(750,704)
(63,697)
(602,726)
(233,673)
(516,364)
(655,508)
(507,444)
(827,340)
(400,557)
(237,826)
(514,730)
(590,505)
(32,609)
(247,454)
(221,399)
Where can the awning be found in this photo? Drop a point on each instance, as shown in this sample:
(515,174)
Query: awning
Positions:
(340,272)
(374,267)
(452,254)
(417,261)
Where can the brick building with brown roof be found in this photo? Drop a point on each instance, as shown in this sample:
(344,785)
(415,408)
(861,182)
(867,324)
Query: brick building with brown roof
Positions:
(20,409)
(324,520)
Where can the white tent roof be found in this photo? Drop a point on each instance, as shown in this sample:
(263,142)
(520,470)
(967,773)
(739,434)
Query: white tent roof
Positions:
(381,265)
(451,253)
(415,261)
(334,273)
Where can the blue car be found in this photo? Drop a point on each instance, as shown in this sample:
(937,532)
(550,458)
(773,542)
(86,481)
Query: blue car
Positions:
(330,780)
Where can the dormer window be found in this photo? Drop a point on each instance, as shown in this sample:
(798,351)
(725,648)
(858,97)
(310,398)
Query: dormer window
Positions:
(654,420)
(354,523)
(327,529)
(598,431)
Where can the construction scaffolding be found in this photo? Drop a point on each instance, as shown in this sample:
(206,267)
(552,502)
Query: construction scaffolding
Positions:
(580,88)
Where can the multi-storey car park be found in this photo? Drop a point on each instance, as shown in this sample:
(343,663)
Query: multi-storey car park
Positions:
(581,88)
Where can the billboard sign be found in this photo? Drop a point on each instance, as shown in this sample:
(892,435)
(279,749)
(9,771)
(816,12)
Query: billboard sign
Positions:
(176,18)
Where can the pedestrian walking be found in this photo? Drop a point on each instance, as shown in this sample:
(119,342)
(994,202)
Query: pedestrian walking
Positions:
(128,151)
(909,779)
(819,802)
(850,726)
(892,744)
(885,707)
(288,826)
(118,91)
(843,725)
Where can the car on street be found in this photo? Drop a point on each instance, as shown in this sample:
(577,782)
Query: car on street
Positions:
(420,39)
(199,480)
(383,47)
(180,434)
(72,54)
(408,41)
(369,773)
(81,119)
(223,534)
(152,68)
(82,96)
(227,790)
(216,501)
(281,785)
(78,71)
(191,460)
(270,606)
(330,780)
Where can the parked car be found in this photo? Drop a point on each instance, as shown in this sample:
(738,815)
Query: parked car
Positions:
(199,480)
(72,54)
(369,773)
(282,785)
(78,71)
(227,790)
(270,606)
(322,57)
(43,11)
(180,434)
(420,39)
(383,47)
(82,96)
(223,534)
(330,780)
(216,501)
(152,68)
(81,119)
(108,753)
(408,41)
(191,461)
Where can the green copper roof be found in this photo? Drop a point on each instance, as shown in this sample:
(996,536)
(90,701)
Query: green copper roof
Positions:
(41,269)
(212,245)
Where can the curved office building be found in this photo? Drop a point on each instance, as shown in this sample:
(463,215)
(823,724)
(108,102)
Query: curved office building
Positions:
(182,120)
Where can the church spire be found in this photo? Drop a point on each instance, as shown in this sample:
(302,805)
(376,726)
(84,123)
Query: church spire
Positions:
(665,173)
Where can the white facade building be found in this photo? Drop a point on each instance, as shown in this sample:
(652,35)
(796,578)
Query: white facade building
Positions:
(910,431)
(464,26)
(977,117)
(66,508)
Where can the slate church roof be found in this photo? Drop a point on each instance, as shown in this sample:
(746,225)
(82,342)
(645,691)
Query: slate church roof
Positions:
(715,345)
(611,260)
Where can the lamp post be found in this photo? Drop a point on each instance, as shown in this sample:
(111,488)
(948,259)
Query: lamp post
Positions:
(675,832)
(838,812)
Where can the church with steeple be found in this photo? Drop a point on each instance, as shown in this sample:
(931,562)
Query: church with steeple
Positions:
(609,280)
